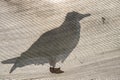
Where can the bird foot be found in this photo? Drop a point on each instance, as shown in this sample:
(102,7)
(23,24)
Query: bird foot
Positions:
(56,70)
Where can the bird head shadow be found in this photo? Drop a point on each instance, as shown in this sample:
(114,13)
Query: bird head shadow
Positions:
(76,16)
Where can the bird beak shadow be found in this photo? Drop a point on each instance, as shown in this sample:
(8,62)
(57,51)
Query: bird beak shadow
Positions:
(86,15)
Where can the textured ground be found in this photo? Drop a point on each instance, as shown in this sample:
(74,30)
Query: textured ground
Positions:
(97,56)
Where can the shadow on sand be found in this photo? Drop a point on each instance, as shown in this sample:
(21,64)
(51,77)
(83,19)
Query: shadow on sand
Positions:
(53,46)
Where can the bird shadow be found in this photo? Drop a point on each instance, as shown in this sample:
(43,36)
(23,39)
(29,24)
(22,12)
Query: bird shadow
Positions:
(53,46)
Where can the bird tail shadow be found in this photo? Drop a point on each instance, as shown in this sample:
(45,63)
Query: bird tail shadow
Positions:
(9,61)
(16,64)
(12,61)
(13,68)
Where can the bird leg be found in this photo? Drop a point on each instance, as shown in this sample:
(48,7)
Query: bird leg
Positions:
(53,69)
(56,70)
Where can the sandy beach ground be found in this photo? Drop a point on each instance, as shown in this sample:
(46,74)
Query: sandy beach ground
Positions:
(96,57)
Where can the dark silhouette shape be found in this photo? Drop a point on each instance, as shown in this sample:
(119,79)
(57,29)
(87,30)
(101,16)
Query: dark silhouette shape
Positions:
(55,70)
(52,46)
(103,20)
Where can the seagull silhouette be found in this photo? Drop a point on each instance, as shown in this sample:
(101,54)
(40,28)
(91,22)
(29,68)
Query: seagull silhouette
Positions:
(53,46)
